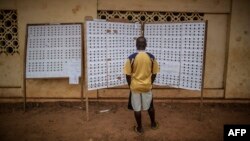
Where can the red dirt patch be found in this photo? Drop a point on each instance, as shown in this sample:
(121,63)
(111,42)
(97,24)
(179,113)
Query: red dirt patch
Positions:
(66,122)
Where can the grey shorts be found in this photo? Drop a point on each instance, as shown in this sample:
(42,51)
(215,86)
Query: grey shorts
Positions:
(141,101)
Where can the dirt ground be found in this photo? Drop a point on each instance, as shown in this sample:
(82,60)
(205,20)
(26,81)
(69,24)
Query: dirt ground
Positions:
(62,121)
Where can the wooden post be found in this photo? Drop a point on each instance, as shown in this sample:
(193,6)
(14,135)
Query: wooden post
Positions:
(203,71)
(85,66)
(87,105)
(24,69)
(82,67)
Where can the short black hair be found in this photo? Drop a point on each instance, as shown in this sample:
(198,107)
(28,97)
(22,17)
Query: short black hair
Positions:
(141,43)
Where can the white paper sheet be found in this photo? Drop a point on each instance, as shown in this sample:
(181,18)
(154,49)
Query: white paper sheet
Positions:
(178,47)
(74,71)
(74,68)
(171,68)
(108,45)
(50,47)
(73,79)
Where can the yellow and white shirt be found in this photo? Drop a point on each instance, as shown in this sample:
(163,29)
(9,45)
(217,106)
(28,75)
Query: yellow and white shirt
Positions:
(139,66)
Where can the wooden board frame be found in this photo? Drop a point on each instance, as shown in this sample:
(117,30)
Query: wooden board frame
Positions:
(142,34)
(25,57)
(204,59)
(85,63)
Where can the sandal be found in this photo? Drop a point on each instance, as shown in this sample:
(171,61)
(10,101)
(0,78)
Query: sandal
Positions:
(156,126)
(138,132)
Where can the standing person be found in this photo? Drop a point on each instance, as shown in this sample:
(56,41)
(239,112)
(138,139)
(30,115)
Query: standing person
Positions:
(141,69)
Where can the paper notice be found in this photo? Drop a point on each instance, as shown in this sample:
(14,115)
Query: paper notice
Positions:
(73,79)
(170,68)
(137,25)
(74,71)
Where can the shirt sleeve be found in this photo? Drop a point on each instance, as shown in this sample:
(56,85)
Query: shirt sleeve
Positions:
(156,68)
(127,67)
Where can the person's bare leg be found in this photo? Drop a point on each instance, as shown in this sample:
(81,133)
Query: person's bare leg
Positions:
(151,113)
(138,121)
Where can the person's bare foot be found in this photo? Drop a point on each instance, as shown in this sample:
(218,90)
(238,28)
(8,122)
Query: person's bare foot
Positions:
(154,125)
(138,130)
